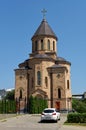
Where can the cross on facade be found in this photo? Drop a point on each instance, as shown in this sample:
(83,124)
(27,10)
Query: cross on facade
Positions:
(43,11)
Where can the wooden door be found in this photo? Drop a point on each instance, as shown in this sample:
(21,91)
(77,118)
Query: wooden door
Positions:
(57,105)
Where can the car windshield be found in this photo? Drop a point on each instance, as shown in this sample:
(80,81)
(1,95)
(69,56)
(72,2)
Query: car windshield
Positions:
(48,111)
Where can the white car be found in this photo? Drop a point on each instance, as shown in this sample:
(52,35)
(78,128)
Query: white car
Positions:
(50,114)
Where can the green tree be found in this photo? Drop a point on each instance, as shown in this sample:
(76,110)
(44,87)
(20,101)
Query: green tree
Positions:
(31,105)
(36,105)
(79,105)
(10,95)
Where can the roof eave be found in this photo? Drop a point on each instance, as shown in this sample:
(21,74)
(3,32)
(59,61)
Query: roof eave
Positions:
(45,35)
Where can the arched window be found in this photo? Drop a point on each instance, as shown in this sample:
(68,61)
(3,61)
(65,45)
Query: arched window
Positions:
(32,82)
(59,93)
(53,46)
(48,45)
(42,47)
(68,86)
(38,78)
(20,93)
(32,47)
(36,44)
(46,82)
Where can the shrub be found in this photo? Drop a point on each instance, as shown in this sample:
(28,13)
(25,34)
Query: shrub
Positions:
(7,106)
(81,107)
(76,118)
(36,105)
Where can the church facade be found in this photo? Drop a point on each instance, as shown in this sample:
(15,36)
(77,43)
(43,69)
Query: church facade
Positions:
(44,74)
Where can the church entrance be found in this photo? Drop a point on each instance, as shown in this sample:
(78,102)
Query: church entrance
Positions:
(57,105)
(21,105)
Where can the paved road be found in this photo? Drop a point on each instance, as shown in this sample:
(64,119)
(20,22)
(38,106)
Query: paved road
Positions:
(28,122)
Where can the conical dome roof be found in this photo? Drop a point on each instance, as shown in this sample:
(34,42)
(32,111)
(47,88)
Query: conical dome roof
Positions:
(44,30)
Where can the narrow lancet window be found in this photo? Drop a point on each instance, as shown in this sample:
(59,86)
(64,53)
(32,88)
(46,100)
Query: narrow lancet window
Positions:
(36,44)
(20,94)
(48,44)
(42,47)
(38,78)
(59,93)
(53,46)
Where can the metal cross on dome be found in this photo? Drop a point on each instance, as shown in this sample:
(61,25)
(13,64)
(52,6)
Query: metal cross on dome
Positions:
(44,11)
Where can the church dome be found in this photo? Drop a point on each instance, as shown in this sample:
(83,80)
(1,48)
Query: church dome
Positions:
(44,30)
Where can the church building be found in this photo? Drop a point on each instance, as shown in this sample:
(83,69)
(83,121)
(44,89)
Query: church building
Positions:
(44,74)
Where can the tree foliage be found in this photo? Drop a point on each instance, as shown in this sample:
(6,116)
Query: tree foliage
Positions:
(36,105)
(76,118)
(7,106)
(79,105)
(10,95)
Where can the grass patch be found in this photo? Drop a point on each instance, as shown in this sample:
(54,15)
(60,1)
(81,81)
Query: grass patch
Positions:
(3,120)
(75,124)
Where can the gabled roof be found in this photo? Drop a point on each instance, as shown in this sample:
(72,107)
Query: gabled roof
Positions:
(54,68)
(45,30)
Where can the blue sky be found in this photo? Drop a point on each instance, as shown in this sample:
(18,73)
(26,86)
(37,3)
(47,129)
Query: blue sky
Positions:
(19,19)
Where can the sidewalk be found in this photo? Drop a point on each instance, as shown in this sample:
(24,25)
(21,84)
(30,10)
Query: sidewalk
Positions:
(4,116)
(70,127)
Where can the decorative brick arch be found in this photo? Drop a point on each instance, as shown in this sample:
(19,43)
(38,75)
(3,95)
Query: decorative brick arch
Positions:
(39,96)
